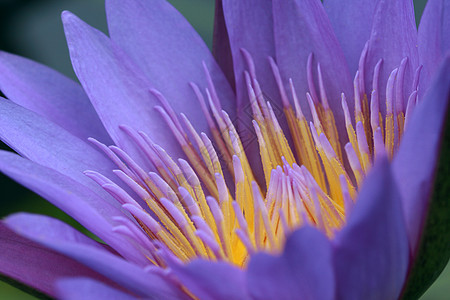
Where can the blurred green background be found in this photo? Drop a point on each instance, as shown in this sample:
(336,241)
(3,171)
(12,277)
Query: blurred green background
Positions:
(33,29)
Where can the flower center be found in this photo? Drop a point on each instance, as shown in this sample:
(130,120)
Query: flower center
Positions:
(193,212)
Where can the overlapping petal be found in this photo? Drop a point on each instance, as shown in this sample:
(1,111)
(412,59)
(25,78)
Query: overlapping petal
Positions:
(47,144)
(371,252)
(301,27)
(256,17)
(352,24)
(393,37)
(221,48)
(303,271)
(126,274)
(153,46)
(212,280)
(119,92)
(415,163)
(433,39)
(90,210)
(32,224)
(88,289)
(36,266)
(169,52)
(54,96)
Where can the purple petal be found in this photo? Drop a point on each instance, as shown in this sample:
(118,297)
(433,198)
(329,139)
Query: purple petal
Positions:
(352,24)
(393,37)
(124,273)
(371,251)
(34,265)
(48,227)
(94,213)
(212,280)
(221,45)
(118,91)
(169,52)
(415,162)
(47,144)
(433,37)
(302,27)
(54,96)
(257,38)
(256,17)
(87,289)
(303,271)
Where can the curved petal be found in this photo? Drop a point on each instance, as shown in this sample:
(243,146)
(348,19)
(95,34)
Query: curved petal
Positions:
(212,280)
(302,27)
(371,252)
(124,273)
(393,37)
(221,44)
(35,266)
(433,38)
(88,289)
(47,144)
(118,91)
(303,271)
(94,213)
(49,93)
(415,162)
(33,224)
(352,24)
(250,27)
(433,253)
(169,52)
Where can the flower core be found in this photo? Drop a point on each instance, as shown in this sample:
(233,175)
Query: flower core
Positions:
(195,213)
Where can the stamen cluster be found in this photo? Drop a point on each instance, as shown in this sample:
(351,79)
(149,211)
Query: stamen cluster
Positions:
(194,211)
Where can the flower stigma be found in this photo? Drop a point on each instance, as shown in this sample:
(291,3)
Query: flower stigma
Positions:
(195,210)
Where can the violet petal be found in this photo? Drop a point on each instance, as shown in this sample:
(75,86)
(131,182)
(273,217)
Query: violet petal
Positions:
(51,94)
(47,144)
(169,52)
(301,28)
(48,227)
(87,289)
(303,271)
(256,17)
(352,24)
(91,211)
(117,88)
(112,266)
(212,280)
(393,37)
(415,162)
(34,265)
(433,39)
(371,252)
(221,45)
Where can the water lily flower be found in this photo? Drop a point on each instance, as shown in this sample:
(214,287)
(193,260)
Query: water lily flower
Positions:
(299,165)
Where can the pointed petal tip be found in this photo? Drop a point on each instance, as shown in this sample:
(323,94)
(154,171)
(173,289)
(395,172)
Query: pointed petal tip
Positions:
(67,16)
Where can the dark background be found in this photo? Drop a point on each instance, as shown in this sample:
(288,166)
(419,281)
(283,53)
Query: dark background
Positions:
(33,29)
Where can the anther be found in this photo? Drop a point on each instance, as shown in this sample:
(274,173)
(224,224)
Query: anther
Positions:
(361,68)
(399,86)
(278,80)
(310,78)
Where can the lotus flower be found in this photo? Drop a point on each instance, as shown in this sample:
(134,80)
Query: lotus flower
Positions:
(298,166)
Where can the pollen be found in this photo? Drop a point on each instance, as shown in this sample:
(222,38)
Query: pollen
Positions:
(212,205)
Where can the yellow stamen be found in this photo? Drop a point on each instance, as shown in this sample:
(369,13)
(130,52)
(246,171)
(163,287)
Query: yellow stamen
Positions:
(199,212)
